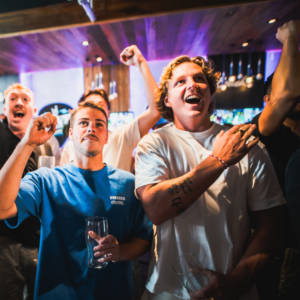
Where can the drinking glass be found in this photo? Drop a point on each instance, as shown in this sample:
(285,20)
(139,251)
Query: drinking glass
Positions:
(46,161)
(190,272)
(99,226)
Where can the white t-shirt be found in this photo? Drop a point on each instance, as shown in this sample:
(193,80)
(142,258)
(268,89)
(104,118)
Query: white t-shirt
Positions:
(117,152)
(216,227)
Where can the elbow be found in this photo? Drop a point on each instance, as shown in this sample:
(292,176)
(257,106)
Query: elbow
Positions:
(155,218)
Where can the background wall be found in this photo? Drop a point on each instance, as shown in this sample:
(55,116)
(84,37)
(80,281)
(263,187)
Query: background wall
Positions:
(63,86)
(138,100)
(5,81)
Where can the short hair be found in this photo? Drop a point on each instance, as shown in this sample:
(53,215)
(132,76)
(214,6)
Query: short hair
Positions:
(17,86)
(268,85)
(99,92)
(162,91)
(86,104)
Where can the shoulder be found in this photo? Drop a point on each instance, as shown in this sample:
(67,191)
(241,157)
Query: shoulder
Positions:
(294,162)
(115,173)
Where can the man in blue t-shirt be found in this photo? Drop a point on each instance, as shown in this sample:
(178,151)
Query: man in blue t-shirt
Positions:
(63,198)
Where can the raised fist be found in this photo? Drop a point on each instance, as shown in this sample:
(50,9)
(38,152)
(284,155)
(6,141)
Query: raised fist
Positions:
(131,56)
(291,28)
(40,129)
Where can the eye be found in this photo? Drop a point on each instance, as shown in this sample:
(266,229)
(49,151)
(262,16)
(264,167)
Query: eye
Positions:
(99,124)
(199,78)
(179,82)
(84,123)
(26,99)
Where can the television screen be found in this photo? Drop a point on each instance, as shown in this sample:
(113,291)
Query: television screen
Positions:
(118,119)
(234,116)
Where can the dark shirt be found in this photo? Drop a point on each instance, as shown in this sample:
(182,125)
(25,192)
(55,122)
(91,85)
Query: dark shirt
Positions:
(28,233)
(293,191)
(281,144)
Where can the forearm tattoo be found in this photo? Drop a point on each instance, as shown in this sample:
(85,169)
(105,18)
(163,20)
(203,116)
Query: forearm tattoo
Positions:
(185,186)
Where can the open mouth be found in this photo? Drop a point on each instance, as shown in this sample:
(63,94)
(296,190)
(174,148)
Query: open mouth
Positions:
(19,114)
(90,138)
(193,99)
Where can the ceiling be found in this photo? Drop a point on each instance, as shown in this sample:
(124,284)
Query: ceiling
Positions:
(8,6)
(201,32)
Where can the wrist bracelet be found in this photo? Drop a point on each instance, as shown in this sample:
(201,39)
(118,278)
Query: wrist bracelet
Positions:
(222,161)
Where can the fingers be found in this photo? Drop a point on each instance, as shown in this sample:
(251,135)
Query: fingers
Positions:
(204,293)
(94,236)
(251,144)
(127,53)
(248,132)
(46,120)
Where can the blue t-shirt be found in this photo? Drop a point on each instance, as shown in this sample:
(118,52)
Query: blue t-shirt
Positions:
(63,198)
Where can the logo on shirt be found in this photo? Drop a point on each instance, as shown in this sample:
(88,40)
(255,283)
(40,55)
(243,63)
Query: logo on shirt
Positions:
(117,200)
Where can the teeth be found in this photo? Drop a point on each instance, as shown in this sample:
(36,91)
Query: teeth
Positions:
(192,97)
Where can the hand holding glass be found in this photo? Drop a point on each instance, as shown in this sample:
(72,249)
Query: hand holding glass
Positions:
(96,228)
(190,272)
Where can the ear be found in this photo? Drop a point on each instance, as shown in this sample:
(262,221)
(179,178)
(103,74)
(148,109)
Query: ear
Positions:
(34,111)
(167,103)
(71,134)
(106,140)
(4,111)
(266,98)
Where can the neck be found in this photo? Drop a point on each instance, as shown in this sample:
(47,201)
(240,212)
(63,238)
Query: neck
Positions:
(89,163)
(193,124)
(16,131)
(294,125)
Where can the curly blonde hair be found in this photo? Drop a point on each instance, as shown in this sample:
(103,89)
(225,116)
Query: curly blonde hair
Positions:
(162,91)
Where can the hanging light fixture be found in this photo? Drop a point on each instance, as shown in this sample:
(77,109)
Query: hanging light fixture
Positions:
(231,76)
(240,73)
(101,86)
(223,86)
(93,82)
(259,76)
(112,85)
(249,78)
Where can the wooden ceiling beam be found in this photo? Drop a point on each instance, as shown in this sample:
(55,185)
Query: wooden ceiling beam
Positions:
(71,14)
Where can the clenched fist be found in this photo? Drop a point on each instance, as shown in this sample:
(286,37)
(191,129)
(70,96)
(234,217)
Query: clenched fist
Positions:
(40,129)
(132,56)
(289,29)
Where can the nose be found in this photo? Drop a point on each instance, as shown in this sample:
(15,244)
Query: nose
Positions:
(191,85)
(91,128)
(19,102)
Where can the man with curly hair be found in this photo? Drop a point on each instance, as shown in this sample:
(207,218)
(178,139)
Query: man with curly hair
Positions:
(200,186)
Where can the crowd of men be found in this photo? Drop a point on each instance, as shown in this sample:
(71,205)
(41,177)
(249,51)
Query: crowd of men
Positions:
(198,188)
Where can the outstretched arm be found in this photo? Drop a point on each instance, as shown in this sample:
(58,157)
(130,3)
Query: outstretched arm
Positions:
(11,173)
(169,198)
(132,56)
(285,83)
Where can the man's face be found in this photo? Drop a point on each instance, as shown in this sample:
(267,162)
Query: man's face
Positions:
(100,101)
(89,132)
(19,109)
(188,93)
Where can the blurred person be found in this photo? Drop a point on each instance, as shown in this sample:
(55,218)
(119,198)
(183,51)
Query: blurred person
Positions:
(18,248)
(278,127)
(123,140)
(201,186)
(63,198)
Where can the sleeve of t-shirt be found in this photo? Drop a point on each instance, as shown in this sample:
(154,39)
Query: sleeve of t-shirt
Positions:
(65,155)
(130,134)
(150,164)
(263,190)
(28,200)
(142,227)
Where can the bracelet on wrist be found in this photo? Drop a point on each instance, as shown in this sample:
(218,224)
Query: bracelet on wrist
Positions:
(218,158)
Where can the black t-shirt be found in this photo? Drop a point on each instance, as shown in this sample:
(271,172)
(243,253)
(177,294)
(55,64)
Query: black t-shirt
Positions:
(28,232)
(281,144)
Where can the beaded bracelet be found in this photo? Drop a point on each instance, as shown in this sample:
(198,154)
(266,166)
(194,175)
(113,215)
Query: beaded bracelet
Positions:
(222,161)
